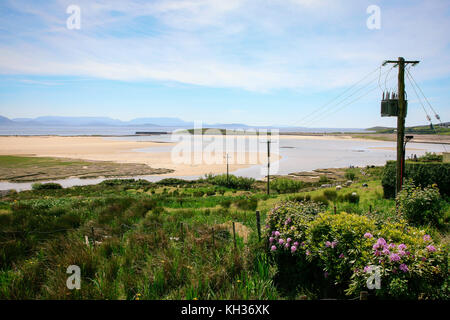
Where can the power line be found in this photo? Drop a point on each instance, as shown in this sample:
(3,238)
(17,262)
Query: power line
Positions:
(338,108)
(335,98)
(435,113)
(408,74)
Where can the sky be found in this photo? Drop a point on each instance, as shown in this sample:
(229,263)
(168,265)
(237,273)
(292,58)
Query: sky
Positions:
(259,62)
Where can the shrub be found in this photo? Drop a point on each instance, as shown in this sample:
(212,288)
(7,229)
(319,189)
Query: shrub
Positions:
(320,199)
(330,194)
(350,175)
(240,183)
(420,206)
(285,185)
(46,186)
(249,204)
(331,255)
(173,182)
(351,197)
(422,173)
(323,179)
(431,157)
(226,203)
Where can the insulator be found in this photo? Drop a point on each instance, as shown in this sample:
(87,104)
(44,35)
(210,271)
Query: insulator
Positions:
(428,118)
(437,117)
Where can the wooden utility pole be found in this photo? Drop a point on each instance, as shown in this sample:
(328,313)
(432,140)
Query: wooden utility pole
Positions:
(400,119)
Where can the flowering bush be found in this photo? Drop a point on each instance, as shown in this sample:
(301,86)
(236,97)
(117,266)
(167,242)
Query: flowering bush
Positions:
(332,255)
(420,206)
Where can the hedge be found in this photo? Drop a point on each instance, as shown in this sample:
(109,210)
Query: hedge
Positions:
(422,173)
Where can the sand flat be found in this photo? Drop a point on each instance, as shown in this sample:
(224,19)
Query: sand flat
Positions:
(100,149)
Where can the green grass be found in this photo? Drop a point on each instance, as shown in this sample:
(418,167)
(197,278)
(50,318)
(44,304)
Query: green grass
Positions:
(154,241)
(23,162)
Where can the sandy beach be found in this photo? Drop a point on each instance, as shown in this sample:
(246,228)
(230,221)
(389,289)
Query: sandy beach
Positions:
(120,151)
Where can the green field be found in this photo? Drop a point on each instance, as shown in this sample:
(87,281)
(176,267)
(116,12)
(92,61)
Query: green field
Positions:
(169,240)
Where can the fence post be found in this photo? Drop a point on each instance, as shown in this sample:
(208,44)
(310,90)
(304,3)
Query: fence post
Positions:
(93,236)
(258,224)
(234,236)
(335,209)
(182,231)
(363,295)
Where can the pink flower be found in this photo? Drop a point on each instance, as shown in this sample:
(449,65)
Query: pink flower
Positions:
(325,274)
(328,244)
(289,239)
(368,235)
(281,241)
(404,267)
(341,256)
(426,238)
(381,243)
(367,269)
(271,239)
(386,251)
(277,233)
(273,248)
(333,244)
(391,246)
(286,245)
(401,252)
(431,248)
(401,246)
(308,252)
(394,257)
(296,243)
(293,249)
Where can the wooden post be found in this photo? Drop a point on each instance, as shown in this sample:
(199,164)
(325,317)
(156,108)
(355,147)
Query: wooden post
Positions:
(234,236)
(363,295)
(258,224)
(93,236)
(401,115)
(335,209)
(400,123)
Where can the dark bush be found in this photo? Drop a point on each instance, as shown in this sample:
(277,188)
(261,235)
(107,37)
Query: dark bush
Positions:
(285,185)
(420,206)
(422,173)
(330,194)
(240,183)
(46,186)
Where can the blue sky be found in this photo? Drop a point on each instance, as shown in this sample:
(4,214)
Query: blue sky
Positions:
(260,62)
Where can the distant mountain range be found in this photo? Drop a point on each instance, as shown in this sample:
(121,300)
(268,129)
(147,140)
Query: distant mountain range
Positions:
(105,121)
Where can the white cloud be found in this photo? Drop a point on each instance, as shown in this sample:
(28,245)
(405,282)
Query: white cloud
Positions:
(248,44)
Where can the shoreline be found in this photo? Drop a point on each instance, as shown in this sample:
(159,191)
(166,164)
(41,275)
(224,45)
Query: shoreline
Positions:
(355,136)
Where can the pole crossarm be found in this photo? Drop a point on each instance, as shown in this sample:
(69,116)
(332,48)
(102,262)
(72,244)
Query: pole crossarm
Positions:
(413,62)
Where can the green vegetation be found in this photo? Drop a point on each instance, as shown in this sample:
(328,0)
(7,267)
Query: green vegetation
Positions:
(427,129)
(338,250)
(173,239)
(420,206)
(23,169)
(423,173)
